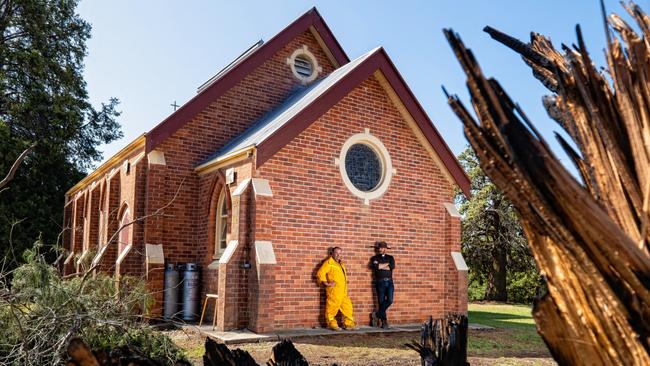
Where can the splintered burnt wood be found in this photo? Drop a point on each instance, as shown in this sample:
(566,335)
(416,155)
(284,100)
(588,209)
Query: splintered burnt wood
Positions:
(443,342)
(284,354)
(590,239)
(218,354)
(79,354)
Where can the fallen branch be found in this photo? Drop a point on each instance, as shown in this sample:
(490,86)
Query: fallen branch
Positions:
(160,211)
(14,167)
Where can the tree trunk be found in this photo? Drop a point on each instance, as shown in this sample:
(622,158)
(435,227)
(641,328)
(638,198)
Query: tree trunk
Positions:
(496,285)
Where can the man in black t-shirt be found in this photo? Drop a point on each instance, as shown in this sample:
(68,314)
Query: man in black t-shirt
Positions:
(383,265)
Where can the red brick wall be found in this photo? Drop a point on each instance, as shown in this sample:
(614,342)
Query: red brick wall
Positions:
(310,210)
(313,210)
(155,280)
(133,193)
(78,229)
(66,237)
(257,94)
(211,186)
(93,238)
(157,196)
(453,287)
(266,314)
(112,205)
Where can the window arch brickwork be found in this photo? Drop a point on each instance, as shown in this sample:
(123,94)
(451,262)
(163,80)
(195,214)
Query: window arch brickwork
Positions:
(125,237)
(220,199)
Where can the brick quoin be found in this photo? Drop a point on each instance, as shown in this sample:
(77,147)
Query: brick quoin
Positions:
(310,208)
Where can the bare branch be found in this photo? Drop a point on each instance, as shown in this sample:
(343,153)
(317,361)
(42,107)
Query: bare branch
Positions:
(14,167)
(159,212)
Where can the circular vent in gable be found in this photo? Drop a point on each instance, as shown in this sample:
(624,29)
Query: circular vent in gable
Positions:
(304,65)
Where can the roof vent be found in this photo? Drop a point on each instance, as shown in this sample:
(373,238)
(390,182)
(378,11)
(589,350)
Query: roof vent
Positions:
(304,65)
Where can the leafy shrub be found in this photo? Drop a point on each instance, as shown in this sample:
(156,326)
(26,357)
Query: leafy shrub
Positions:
(476,288)
(40,312)
(144,340)
(524,287)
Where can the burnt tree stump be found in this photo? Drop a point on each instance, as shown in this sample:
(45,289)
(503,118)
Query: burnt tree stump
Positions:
(443,342)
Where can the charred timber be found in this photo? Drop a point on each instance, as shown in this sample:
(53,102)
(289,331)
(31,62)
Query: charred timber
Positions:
(590,239)
(443,342)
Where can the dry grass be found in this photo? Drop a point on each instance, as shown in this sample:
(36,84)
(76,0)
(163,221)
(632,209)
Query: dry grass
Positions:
(513,342)
(376,349)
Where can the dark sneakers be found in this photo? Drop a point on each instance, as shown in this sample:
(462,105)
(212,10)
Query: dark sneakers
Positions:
(378,323)
(374,321)
(384,324)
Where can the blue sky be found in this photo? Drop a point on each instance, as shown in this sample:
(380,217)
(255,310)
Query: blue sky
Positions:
(149,54)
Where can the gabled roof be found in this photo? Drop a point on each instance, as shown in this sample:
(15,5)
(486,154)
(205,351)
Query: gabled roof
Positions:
(294,104)
(242,68)
(273,131)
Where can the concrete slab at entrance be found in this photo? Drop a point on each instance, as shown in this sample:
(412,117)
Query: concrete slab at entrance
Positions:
(246,336)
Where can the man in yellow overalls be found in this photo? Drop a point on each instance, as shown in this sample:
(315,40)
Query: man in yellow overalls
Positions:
(333,275)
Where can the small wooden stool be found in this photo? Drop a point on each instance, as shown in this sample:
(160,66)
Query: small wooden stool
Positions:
(205,302)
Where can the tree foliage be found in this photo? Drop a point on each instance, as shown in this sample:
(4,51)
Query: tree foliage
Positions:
(40,312)
(493,243)
(43,100)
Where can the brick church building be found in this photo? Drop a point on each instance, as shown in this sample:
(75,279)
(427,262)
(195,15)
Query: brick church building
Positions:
(291,149)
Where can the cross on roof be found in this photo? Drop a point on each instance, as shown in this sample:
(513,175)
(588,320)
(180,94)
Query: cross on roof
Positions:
(174,105)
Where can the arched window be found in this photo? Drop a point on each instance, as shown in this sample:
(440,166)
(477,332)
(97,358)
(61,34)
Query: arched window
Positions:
(126,235)
(220,241)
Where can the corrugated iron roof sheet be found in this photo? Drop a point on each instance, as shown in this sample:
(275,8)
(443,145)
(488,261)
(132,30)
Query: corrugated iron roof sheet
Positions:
(294,104)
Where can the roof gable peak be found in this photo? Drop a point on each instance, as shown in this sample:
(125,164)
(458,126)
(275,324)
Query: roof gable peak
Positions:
(279,127)
(246,63)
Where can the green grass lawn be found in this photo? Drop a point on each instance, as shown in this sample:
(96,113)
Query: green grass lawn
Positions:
(502,316)
(514,332)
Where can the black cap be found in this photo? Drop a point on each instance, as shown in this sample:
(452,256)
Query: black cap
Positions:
(381,244)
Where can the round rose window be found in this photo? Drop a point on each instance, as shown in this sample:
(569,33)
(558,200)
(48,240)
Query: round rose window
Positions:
(363,167)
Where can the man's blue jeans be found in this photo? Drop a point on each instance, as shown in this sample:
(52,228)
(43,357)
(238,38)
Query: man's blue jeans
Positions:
(385,291)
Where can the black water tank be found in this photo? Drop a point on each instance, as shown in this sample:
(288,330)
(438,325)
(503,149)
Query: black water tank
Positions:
(190,291)
(171,290)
